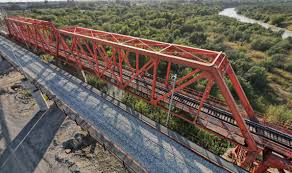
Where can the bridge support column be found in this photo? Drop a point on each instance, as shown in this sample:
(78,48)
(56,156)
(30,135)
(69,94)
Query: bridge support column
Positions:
(271,160)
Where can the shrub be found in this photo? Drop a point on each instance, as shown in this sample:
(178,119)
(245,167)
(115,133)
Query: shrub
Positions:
(48,58)
(47,17)
(158,23)
(282,114)
(282,47)
(267,63)
(187,28)
(239,36)
(241,66)
(257,77)
(278,60)
(198,38)
(261,44)
(276,20)
(288,67)
(259,104)
(97,83)
(258,55)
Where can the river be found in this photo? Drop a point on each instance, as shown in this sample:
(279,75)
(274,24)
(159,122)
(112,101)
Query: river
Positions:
(231,12)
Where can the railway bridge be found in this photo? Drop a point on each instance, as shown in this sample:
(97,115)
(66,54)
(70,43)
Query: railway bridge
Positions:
(144,68)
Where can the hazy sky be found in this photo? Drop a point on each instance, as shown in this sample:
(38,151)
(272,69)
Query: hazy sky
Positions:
(27,0)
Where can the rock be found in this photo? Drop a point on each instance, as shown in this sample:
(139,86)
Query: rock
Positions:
(67,151)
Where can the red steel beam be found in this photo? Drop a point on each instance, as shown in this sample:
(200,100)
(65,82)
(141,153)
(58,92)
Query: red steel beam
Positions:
(271,160)
(106,52)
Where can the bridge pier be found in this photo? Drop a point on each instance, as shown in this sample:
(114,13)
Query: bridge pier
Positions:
(271,160)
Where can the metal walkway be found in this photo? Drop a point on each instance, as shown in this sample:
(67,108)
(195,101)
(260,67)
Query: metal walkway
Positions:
(150,148)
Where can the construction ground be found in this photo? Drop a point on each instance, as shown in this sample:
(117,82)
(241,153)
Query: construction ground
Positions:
(29,144)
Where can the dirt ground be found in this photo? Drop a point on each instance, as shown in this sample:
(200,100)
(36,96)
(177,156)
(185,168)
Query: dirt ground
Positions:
(70,149)
(71,152)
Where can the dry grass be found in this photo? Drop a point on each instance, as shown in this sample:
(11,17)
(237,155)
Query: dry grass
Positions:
(257,55)
(284,74)
(233,45)
(280,114)
(289,27)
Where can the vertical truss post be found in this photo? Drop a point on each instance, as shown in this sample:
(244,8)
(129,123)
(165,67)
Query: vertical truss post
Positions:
(153,89)
(121,67)
(205,96)
(57,44)
(167,73)
(97,70)
(137,62)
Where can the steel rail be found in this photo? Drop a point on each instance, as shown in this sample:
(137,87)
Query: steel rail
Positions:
(81,49)
(264,132)
(216,112)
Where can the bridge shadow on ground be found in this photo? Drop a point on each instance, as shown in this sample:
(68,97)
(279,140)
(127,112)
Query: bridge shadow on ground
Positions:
(4,133)
(24,153)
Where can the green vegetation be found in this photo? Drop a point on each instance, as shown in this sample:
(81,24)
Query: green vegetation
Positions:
(281,113)
(197,135)
(260,58)
(46,98)
(47,58)
(26,93)
(97,83)
(255,53)
(279,13)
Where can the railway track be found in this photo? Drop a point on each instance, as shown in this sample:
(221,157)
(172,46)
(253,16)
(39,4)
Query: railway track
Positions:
(212,117)
(88,49)
(265,136)
(131,139)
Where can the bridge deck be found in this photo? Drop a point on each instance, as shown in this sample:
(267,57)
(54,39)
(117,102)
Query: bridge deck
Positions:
(150,148)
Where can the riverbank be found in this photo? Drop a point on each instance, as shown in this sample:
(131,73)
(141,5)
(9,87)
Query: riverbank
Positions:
(232,12)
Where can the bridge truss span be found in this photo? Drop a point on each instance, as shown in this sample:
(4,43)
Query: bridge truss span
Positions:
(144,67)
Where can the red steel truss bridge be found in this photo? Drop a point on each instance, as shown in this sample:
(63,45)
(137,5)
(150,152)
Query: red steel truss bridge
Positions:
(144,67)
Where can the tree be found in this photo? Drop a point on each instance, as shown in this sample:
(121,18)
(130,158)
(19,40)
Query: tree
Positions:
(278,60)
(257,77)
(261,44)
(282,47)
(282,113)
(47,17)
(276,20)
(158,23)
(187,28)
(141,106)
(288,66)
(198,38)
(239,36)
